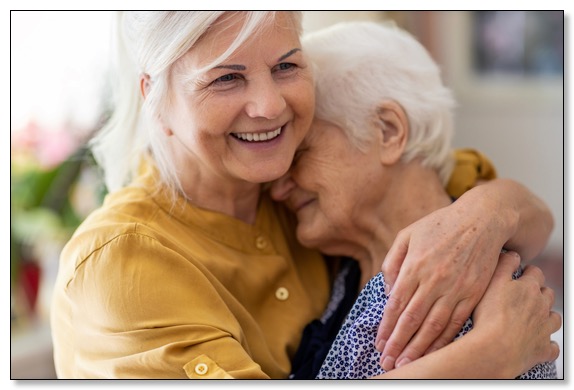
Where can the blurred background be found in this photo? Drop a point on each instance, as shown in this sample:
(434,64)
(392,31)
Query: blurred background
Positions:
(505,68)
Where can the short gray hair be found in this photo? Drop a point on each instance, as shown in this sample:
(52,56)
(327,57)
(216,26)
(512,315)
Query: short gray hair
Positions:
(360,64)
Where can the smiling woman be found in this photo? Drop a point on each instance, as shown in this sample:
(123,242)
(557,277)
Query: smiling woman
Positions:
(188,270)
(261,94)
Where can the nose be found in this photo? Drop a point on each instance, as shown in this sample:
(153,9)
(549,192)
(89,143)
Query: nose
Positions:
(281,188)
(266,100)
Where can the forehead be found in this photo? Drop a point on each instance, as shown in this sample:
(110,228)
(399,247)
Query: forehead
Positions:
(276,31)
(321,128)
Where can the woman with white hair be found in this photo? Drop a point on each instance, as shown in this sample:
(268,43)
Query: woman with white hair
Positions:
(188,269)
(376,160)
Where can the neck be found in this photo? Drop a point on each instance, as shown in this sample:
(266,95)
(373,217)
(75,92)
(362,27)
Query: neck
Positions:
(236,201)
(205,188)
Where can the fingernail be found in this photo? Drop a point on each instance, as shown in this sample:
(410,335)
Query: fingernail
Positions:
(388,363)
(380,345)
(403,361)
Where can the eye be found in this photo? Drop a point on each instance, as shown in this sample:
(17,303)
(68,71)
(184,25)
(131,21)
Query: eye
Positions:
(226,82)
(285,67)
(226,78)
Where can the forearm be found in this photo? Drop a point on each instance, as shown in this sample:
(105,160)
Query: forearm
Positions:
(474,356)
(524,220)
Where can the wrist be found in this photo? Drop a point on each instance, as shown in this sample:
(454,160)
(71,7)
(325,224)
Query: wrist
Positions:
(495,211)
(494,360)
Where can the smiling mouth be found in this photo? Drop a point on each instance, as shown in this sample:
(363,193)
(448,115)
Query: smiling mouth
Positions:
(258,137)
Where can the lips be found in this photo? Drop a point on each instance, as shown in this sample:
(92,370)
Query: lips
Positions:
(298,205)
(258,137)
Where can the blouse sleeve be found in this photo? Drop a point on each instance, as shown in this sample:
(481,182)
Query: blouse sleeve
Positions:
(470,167)
(143,311)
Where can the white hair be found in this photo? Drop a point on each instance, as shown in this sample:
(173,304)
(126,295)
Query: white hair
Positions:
(360,64)
(149,43)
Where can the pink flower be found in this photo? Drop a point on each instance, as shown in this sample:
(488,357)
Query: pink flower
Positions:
(49,147)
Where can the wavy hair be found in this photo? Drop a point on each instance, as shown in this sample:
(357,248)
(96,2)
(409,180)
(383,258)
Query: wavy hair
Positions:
(149,43)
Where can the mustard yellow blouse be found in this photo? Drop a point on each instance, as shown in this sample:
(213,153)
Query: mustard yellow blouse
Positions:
(149,289)
(470,167)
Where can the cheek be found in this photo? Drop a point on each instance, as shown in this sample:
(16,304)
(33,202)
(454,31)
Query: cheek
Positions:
(336,206)
(303,103)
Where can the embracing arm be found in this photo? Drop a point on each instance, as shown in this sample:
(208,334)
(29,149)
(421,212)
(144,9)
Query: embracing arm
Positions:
(446,261)
(512,327)
(527,218)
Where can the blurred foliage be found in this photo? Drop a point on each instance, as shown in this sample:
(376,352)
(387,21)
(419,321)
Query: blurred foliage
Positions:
(40,204)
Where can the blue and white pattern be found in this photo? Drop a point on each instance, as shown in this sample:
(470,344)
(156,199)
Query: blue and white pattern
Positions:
(353,354)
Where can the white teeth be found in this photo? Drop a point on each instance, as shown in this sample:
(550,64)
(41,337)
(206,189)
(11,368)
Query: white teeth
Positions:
(255,137)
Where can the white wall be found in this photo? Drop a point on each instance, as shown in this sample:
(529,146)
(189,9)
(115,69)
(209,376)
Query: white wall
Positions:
(518,122)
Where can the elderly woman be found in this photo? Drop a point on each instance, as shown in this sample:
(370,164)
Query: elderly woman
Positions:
(376,160)
(188,269)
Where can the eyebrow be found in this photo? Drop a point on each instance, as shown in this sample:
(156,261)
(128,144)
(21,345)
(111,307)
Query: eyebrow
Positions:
(232,67)
(242,67)
(288,54)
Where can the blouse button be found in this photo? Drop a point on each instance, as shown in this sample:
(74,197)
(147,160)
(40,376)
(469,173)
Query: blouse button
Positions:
(282,293)
(261,242)
(201,369)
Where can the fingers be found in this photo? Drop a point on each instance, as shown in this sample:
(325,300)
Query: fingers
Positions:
(396,304)
(432,327)
(394,309)
(535,273)
(508,263)
(459,317)
(395,258)
(555,322)
(408,324)
(553,350)
(548,295)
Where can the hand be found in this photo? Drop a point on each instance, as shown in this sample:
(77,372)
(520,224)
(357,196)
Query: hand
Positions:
(518,315)
(446,261)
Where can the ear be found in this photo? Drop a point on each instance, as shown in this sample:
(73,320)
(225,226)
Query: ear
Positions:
(145,84)
(393,124)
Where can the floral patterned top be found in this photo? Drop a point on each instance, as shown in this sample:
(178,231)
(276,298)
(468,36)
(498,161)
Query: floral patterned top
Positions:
(353,354)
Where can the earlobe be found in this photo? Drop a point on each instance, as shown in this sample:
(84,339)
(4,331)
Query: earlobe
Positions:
(394,127)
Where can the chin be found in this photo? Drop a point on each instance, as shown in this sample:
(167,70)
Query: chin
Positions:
(308,237)
(267,174)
